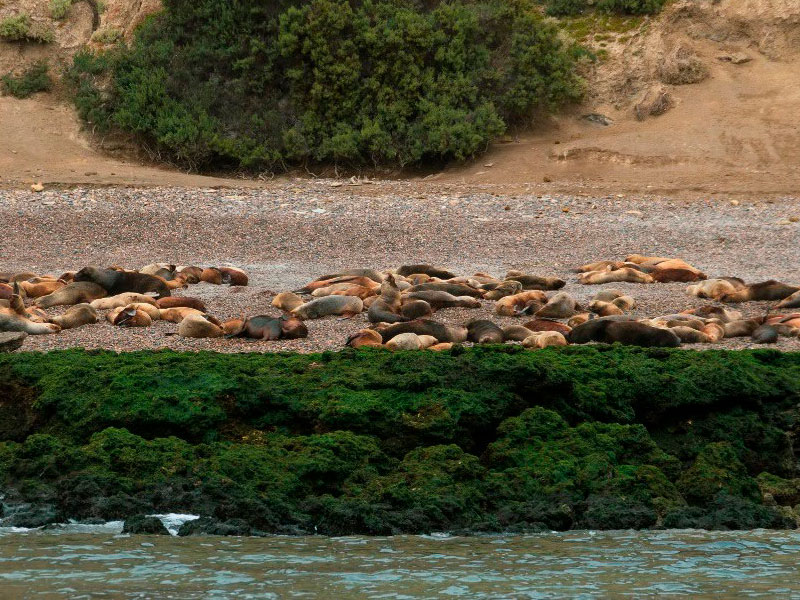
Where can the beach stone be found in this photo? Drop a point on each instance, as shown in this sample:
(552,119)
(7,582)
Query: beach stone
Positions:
(142,524)
(11,340)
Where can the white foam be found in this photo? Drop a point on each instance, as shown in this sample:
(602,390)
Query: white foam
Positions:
(173,521)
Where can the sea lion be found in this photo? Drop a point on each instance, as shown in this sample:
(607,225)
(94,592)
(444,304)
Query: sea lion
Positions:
(177,283)
(765,290)
(740,328)
(715,288)
(356,290)
(329,305)
(515,333)
(370,273)
(287,301)
(365,337)
(604,309)
(547,325)
(442,332)
(416,309)
(441,346)
(176,301)
(118,282)
(386,309)
(483,331)
(177,314)
(232,326)
(515,304)
(689,335)
(122,300)
(608,295)
(76,316)
(438,300)
(23,276)
(714,331)
(211,275)
(37,287)
(765,334)
(624,274)
(580,318)
(427,341)
(503,290)
(199,325)
(624,302)
(334,287)
(600,265)
(152,311)
(535,282)
(404,341)
(77,292)
(675,270)
(545,339)
(429,270)
(156,268)
(6,291)
(650,261)
(234,276)
(351,279)
(13,322)
(456,289)
(609,330)
(717,312)
(131,317)
(418,278)
(190,274)
(792,301)
(267,328)
(560,306)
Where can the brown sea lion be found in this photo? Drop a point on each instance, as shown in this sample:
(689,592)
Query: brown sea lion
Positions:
(76,316)
(689,335)
(442,332)
(429,270)
(211,275)
(21,276)
(580,318)
(608,330)
(545,339)
(365,337)
(287,301)
(456,289)
(765,290)
(439,300)
(740,328)
(36,288)
(515,333)
(347,306)
(608,295)
(715,331)
(514,305)
(118,282)
(547,325)
(177,314)
(177,301)
(386,309)
(6,291)
(418,278)
(535,282)
(76,292)
(792,301)
(560,306)
(122,300)
(650,261)
(132,317)
(604,309)
(234,276)
(351,279)
(356,290)
(624,302)
(674,270)
(503,290)
(370,273)
(483,331)
(190,274)
(404,341)
(267,328)
(152,311)
(416,309)
(200,325)
(716,312)
(178,283)
(624,274)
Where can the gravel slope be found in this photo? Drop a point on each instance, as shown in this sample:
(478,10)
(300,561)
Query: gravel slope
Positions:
(290,233)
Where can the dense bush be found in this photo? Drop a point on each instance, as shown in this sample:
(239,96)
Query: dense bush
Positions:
(376,442)
(20,28)
(622,7)
(254,85)
(34,79)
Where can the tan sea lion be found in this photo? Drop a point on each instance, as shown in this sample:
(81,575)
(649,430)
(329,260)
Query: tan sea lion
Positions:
(740,328)
(545,339)
(36,288)
(441,346)
(370,273)
(77,292)
(122,300)
(514,305)
(351,279)
(580,318)
(624,302)
(329,305)
(503,290)
(717,312)
(604,309)
(152,311)
(365,337)
(176,301)
(199,325)
(600,265)
(515,333)
(6,291)
(386,309)
(177,314)
(442,332)
(608,295)
(405,341)
(483,331)
(715,331)
(21,276)
(560,306)
(624,274)
(356,290)
(118,282)
(10,321)
(131,317)
(155,268)
(211,275)
(76,316)
(650,261)
(190,274)
(287,301)
(715,288)
(234,276)
(547,325)
(689,335)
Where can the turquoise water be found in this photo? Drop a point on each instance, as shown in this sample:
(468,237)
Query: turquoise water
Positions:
(78,562)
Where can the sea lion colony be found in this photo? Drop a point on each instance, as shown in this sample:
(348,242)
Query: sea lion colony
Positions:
(400,305)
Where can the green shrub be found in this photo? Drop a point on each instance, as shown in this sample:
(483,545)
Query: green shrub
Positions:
(252,85)
(109,35)
(20,28)
(60,8)
(32,80)
(631,7)
(561,8)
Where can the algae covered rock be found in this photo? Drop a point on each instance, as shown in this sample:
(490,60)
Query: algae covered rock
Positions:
(142,524)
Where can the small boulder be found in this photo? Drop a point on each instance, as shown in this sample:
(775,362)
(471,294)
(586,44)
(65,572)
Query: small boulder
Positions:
(144,525)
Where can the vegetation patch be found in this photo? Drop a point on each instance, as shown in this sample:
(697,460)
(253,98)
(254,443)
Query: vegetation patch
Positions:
(374,442)
(20,28)
(31,81)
